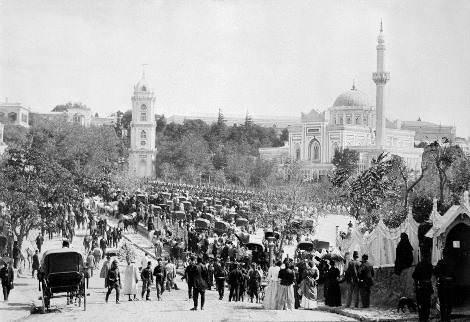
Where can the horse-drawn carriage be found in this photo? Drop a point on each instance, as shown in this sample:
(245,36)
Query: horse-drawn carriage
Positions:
(207,216)
(241,222)
(201,224)
(180,215)
(305,250)
(62,271)
(221,227)
(271,235)
(188,206)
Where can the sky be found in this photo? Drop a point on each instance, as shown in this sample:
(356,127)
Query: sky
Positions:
(278,57)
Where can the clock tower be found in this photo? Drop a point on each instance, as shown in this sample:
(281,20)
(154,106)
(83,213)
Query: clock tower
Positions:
(143,151)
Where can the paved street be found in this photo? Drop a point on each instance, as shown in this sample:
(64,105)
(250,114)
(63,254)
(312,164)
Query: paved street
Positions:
(174,306)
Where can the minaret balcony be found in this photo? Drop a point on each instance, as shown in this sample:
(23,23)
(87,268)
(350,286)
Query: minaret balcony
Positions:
(381,78)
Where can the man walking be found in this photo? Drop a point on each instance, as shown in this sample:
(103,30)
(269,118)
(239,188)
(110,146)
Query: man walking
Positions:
(220,274)
(147,280)
(159,273)
(35,266)
(235,277)
(39,241)
(353,280)
(7,276)
(103,245)
(188,276)
(170,270)
(365,275)
(199,277)
(114,281)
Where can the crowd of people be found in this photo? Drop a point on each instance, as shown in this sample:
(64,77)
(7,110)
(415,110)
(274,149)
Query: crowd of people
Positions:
(218,259)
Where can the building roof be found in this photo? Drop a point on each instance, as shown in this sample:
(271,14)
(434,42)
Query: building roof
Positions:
(440,224)
(352,97)
(423,124)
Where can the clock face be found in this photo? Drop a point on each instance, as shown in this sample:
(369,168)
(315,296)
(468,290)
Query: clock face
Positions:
(142,142)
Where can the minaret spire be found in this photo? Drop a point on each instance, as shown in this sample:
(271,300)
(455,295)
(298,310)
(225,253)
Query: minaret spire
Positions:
(380,78)
(381,26)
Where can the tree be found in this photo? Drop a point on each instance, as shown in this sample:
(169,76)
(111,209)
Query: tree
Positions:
(28,179)
(459,177)
(442,157)
(126,120)
(284,135)
(161,124)
(410,179)
(69,105)
(286,201)
(370,189)
(346,164)
(14,135)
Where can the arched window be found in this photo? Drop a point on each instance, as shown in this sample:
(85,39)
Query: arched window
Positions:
(143,107)
(144,88)
(143,135)
(314,150)
(297,152)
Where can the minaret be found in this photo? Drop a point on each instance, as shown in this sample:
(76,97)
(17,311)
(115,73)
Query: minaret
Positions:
(380,79)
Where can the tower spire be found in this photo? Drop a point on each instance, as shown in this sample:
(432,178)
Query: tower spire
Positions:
(143,70)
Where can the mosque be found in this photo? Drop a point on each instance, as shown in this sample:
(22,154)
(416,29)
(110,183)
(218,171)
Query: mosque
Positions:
(352,122)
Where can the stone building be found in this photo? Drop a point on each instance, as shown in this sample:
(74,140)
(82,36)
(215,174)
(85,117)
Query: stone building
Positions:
(14,113)
(429,132)
(143,150)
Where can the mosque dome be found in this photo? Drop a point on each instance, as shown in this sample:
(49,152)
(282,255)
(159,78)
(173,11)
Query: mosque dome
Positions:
(352,97)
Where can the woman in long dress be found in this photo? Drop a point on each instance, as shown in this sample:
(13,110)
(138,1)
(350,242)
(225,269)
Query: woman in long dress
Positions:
(131,278)
(270,294)
(308,287)
(334,293)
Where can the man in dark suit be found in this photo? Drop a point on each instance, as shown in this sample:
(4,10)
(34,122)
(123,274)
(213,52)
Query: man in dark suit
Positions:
(353,280)
(235,278)
(198,274)
(365,275)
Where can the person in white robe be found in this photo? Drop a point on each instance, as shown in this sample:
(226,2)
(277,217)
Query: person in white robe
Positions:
(270,294)
(131,277)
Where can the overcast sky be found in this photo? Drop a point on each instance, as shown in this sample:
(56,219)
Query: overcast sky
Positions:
(267,57)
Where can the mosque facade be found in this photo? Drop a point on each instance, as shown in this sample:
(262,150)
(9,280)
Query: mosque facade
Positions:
(352,122)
